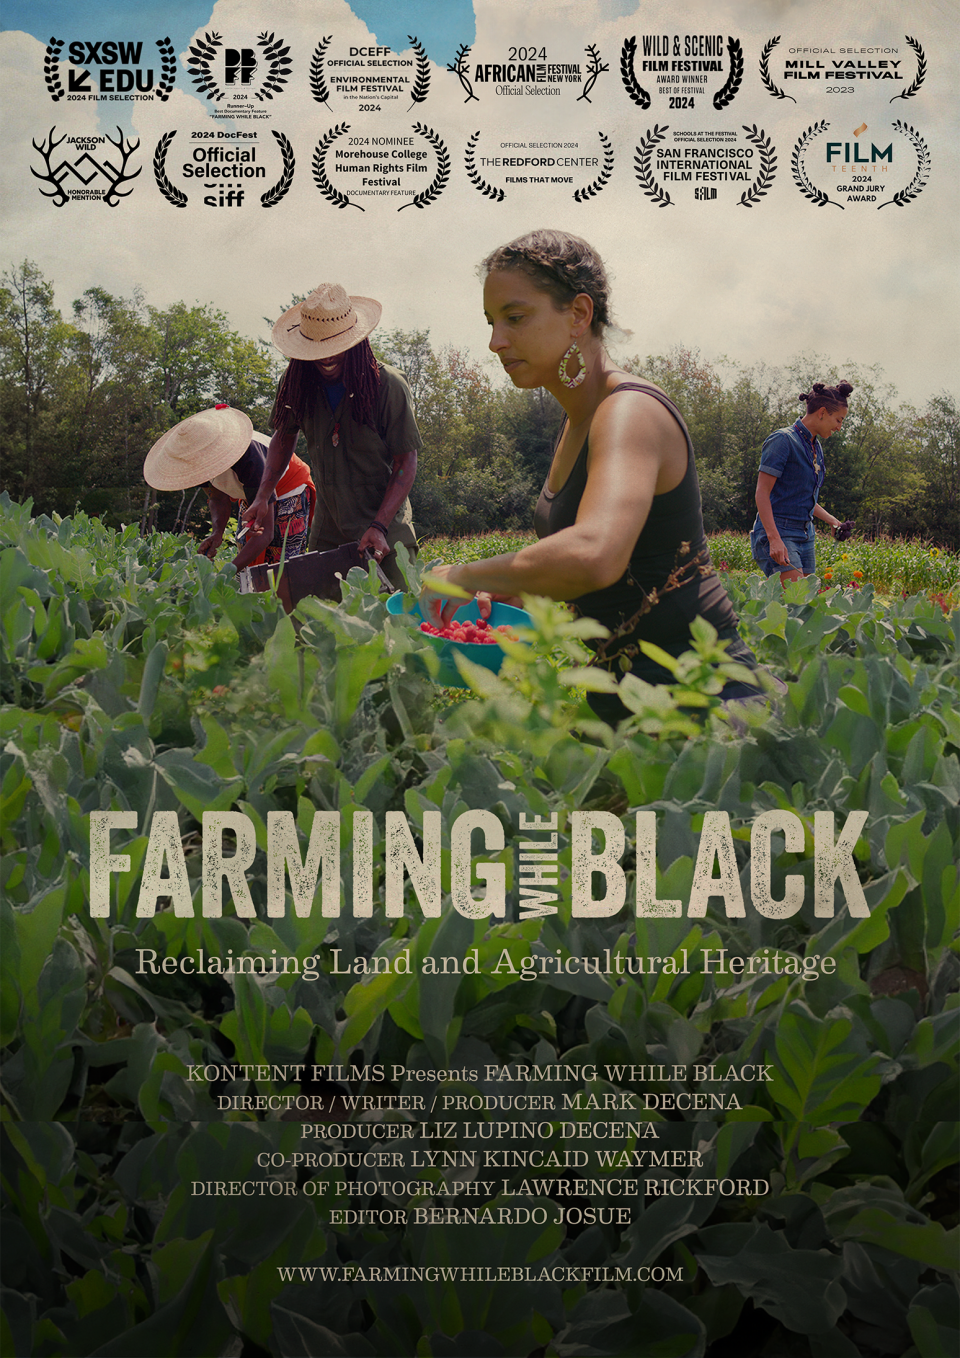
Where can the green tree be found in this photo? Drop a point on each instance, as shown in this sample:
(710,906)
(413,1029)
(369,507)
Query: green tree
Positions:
(115,415)
(191,345)
(696,389)
(410,352)
(530,423)
(936,512)
(468,478)
(37,378)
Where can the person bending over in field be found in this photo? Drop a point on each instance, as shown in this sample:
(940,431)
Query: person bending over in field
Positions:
(619,517)
(219,450)
(792,472)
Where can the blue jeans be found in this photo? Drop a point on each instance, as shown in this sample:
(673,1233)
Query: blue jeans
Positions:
(798,539)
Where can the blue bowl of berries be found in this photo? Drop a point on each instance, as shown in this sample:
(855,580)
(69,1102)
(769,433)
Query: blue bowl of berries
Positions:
(473,636)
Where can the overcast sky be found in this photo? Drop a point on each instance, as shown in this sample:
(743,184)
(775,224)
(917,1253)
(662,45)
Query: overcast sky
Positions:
(760,284)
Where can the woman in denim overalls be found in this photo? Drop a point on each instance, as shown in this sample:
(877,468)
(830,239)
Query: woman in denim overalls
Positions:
(791,474)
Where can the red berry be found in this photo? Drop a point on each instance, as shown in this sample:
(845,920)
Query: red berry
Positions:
(466,633)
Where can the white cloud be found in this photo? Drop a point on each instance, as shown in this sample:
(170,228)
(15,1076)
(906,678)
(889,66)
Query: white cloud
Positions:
(756,284)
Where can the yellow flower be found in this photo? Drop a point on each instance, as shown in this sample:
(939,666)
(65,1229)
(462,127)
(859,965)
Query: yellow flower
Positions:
(845,557)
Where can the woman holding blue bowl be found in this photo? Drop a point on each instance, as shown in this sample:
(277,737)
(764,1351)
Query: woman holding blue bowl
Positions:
(792,472)
(619,520)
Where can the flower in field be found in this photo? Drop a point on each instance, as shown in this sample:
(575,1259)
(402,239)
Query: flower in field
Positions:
(934,551)
(220,689)
(724,566)
(858,575)
(845,557)
(828,575)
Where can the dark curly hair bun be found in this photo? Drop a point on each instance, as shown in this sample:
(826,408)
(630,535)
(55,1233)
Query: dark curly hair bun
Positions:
(821,397)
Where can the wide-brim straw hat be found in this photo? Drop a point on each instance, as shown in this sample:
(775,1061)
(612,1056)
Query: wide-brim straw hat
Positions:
(326,323)
(198,449)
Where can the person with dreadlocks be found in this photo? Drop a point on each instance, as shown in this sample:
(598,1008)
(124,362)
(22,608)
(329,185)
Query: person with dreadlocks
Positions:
(356,416)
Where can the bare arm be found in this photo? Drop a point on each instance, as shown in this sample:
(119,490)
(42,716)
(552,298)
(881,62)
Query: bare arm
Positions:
(220,507)
(256,538)
(778,552)
(820,513)
(398,488)
(636,451)
(278,458)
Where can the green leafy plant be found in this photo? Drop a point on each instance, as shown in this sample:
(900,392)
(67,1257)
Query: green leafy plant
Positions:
(137,678)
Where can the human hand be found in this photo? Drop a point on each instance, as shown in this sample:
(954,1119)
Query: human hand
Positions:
(843,530)
(486,601)
(375,541)
(255,516)
(442,595)
(209,546)
(778,552)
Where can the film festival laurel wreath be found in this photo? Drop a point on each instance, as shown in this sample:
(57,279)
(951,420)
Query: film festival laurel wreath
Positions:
(498,194)
(178,198)
(213,67)
(641,97)
(339,199)
(661,197)
(819,197)
(86,168)
(78,85)
(777,92)
(321,91)
(207,51)
(535,72)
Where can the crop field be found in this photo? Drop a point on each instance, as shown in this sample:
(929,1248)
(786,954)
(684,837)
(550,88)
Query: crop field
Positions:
(137,680)
(892,566)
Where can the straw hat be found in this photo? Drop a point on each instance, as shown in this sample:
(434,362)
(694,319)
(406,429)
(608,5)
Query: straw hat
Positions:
(198,449)
(326,323)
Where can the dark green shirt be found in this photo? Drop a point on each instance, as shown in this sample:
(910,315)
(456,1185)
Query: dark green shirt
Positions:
(352,473)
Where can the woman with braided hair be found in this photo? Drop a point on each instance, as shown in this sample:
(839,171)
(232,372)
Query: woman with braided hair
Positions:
(792,472)
(619,517)
(356,416)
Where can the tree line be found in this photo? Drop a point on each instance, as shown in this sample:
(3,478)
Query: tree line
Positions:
(82,399)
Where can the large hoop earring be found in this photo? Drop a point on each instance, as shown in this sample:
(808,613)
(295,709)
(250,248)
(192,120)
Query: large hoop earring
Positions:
(568,381)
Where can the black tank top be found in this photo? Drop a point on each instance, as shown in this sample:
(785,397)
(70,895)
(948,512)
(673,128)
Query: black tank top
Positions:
(670,579)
